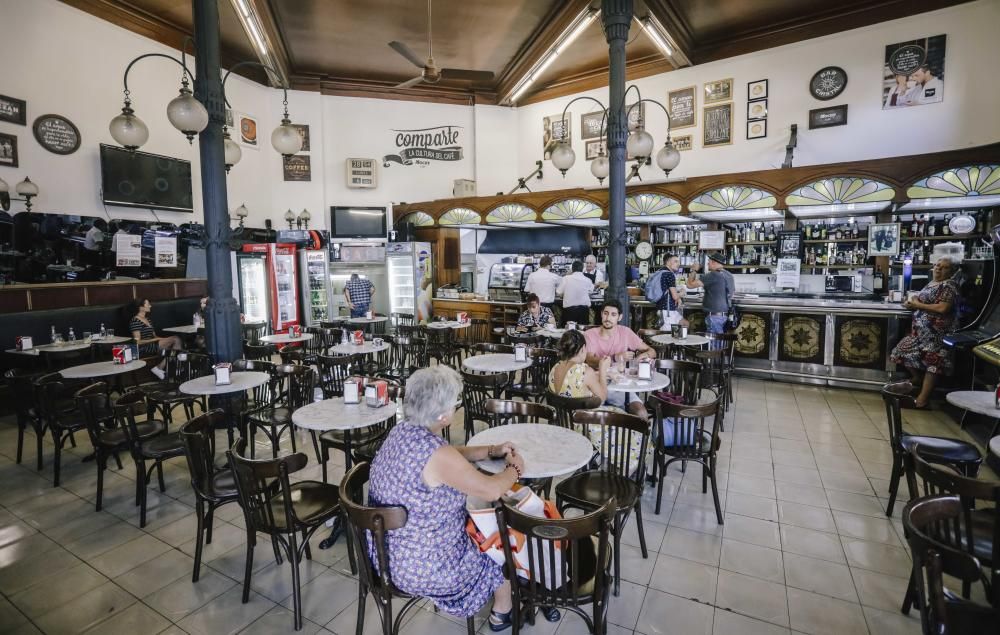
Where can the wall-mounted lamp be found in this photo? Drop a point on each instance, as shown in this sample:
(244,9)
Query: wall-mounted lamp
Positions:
(241,213)
(290,218)
(303,219)
(28,190)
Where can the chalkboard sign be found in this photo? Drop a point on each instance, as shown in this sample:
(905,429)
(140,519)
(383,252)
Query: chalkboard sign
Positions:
(683,107)
(56,134)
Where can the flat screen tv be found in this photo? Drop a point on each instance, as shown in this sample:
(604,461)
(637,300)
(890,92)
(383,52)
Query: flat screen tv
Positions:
(357,222)
(140,179)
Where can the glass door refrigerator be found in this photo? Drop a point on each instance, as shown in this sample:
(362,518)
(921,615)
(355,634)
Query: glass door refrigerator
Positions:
(281,280)
(410,283)
(316,287)
(255,295)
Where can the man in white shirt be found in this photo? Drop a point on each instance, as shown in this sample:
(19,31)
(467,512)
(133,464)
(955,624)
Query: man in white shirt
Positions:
(929,89)
(575,291)
(94,237)
(543,283)
(591,271)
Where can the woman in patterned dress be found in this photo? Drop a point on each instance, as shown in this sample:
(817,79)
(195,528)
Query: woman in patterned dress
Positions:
(432,556)
(922,352)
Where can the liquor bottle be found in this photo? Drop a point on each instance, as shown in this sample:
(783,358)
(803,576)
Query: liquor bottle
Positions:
(879,281)
(945,229)
(808,232)
(838,234)
(914,227)
(104,331)
(770,233)
(822,231)
(931,226)
(72,335)
(52,335)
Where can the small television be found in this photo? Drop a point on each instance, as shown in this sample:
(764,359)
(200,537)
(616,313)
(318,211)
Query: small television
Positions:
(149,181)
(357,222)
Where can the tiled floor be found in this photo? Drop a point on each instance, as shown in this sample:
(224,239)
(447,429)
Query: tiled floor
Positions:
(805,547)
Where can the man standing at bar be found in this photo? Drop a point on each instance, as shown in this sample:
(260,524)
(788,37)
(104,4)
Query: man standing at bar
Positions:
(543,283)
(575,291)
(669,303)
(359,293)
(720,287)
(591,271)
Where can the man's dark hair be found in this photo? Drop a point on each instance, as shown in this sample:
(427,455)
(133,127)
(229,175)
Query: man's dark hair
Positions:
(577,266)
(546,261)
(533,298)
(612,304)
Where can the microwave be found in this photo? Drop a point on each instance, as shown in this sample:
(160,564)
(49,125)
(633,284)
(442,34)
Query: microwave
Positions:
(843,284)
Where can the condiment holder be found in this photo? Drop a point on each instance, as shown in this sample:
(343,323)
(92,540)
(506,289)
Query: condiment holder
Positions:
(353,389)
(121,354)
(223,374)
(520,353)
(358,337)
(23,343)
(377,394)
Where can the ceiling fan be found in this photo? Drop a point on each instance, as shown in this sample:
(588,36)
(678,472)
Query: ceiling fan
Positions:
(430,73)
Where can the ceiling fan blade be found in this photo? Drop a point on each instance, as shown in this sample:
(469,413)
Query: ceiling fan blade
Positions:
(461,73)
(405,51)
(410,83)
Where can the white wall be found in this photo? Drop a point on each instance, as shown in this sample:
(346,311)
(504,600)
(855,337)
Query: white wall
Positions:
(966,117)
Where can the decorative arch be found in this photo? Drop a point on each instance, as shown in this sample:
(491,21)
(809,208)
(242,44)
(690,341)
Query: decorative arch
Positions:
(419,219)
(510,213)
(841,190)
(460,216)
(732,197)
(970,180)
(572,209)
(650,204)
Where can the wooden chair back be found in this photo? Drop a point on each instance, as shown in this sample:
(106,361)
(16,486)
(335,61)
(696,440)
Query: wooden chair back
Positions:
(619,430)
(505,411)
(685,378)
(258,482)
(566,406)
(687,431)
(198,436)
(333,370)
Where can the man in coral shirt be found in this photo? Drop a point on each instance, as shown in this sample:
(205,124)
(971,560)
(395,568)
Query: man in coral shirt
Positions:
(610,339)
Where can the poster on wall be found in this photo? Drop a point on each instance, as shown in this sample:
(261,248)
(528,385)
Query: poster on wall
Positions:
(8,151)
(828,117)
(719,90)
(718,125)
(128,250)
(297,167)
(636,116)
(361,173)
(590,125)
(165,251)
(303,130)
(554,130)
(420,146)
(788,273)
(248,131)
(13,110)
(913,74)
(683,143)
(594,149)
(683,107)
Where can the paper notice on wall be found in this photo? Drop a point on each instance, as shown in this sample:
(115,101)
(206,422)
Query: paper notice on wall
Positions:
(128,250)
(712,240)
(788,273)
(165,249)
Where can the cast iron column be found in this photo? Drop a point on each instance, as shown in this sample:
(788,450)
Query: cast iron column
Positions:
(223,334)
(617,18)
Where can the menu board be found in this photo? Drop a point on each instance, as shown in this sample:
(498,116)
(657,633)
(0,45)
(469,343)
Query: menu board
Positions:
(718,129)
(683,107)
(56,134)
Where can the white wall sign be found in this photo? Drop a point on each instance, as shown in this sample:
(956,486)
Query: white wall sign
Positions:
(361,173)
(165,251)
(788,273)
(712,240)
(421,146)
(128,250)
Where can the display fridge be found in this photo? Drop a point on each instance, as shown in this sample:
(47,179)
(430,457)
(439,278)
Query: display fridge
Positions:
(410,282)
(280,280)
(255,293)
(316,287)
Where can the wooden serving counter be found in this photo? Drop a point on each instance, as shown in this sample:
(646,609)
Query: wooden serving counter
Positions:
(499,314)
(18,298)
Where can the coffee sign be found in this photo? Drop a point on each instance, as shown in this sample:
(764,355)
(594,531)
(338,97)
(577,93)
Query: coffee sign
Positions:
(297,167)
(423,145)
(56,134)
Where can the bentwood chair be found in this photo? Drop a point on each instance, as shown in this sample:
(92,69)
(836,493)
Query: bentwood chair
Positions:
(576,579)
(685,379)
(934,556)
(441,346)
(62,418)
(405,355)
(715,374)
(683,433)
(369,526)
(476,391)
(483,347)
(164,397)
(213,487)
(292,389)
(961,455)
(400,319)
(258,352)
(535,379)
(21,384)
(620,475)
(253,331)
(477,331)
(157,448)
(565,407)
(333,370)
(290,513)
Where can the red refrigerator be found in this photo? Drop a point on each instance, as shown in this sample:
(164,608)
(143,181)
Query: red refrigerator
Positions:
(281,277)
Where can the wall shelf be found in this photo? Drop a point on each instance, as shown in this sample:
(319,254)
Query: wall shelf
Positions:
(834,240)
(948,237)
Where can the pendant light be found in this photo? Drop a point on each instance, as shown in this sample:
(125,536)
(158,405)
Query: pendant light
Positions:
(231,149)
(186,113)
(127,129)
(286,138)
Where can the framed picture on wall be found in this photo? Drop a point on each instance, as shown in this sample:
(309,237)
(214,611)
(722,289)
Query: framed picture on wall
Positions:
(554,130)
(683,107)
(718,130)
(757,109)
(757,129)
(248,131)
(8,151)
(828,117)
(590,125)
(593,149)
(883,239)
(757,89)
(682,143)
(13,110)
(719,90)
(303,130)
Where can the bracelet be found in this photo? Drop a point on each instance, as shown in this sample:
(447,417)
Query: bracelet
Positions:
(490,454)
(516,470)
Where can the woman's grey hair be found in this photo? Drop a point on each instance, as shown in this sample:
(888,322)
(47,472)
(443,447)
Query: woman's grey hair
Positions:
(431,393)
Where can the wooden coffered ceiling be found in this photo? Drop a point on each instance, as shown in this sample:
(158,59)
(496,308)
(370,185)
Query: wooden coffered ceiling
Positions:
(341,46)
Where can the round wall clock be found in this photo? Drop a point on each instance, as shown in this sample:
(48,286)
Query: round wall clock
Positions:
(828,82)
(643,250)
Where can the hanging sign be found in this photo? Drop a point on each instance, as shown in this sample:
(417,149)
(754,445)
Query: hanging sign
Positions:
(165,250)
(423,145)
(128,250)
(788,273)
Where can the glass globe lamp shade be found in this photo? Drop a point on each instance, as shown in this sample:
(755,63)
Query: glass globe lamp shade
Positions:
(128,130)
(285,139)
(242,212)
(187,114)
(600,167)
(639,144)
(232,151)
(27,188)
(305,216)
(563,157)
(3,186)
(668,157)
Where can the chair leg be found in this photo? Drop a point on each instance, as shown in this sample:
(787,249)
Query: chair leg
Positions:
(252,440)
(359,627)
(39,433)
(315,442)
(199,539)
(640,529)
(142,495)
(20,439)
(617,554)
(293,556)
(251,542)
(323,462)
(209,522)
(897,468)
(470,626)
(159,476)
(56,458)
(102,464)
(715,491)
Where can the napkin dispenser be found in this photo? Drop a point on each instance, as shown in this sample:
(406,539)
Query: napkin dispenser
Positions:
(223,374)
(377,394)
(352,390)
(462,317)
(121,354)
(645,369)
(23,343)
(369,315)
(358,337)
(520,353)
(295,330)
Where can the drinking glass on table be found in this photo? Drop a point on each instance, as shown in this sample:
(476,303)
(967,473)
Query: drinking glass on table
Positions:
(87,335)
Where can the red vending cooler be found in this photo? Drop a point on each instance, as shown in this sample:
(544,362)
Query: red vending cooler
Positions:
(281,276)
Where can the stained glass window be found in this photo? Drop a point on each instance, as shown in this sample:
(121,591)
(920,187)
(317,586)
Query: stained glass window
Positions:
(460,216)
(733,197)
(572,208)
(971,180)
(841,190)
(510,213)
(419,219)
(651,205)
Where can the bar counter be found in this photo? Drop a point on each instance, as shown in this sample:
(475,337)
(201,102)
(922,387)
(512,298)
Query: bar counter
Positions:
(499,314)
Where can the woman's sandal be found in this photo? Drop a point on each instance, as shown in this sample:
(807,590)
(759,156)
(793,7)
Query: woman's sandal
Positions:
(551,613)
(499,621)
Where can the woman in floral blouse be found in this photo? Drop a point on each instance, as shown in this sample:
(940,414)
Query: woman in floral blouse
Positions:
(536,316)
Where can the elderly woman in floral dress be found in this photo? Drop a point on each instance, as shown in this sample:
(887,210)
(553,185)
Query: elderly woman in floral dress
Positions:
(923,352)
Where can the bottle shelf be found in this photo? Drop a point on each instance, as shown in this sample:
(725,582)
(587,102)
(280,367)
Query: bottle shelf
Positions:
(752,242)
(943,237)
(812,241)
(675,244)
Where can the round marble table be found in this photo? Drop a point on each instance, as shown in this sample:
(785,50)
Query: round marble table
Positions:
(979,401)
(354,349)
(185,329)
(449,325)
(65,268)
(494,363)
(553,333)
(78,345)
(101,369)
(285,338)
(548,450)
(625,383)
(374,320)
(690,340)
(334,414)
(239,382)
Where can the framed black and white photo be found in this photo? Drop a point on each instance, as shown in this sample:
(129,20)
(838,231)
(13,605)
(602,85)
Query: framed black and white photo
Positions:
(13,110)
(757,109)
(8,151)
(593,149)
(719,90)
(718,129)
(303,130)
(828,117)
(636,116)
(683,142)
(554,130)
(757,129)
(683,106)
(883,239)
(757,89)
(913,74)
